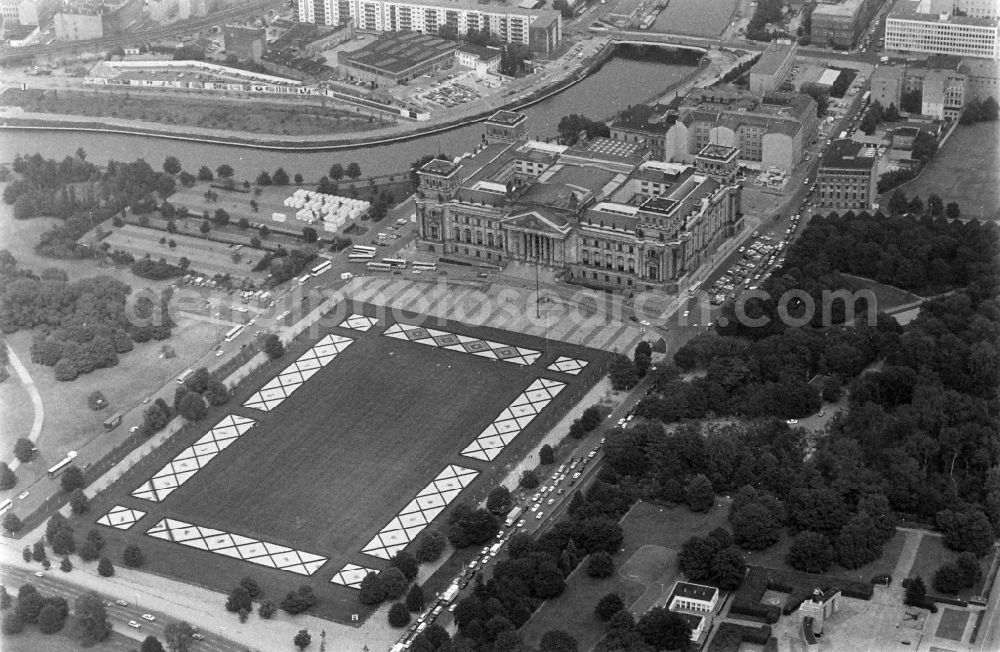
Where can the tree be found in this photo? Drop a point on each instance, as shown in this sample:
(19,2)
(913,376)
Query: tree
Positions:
(205,173)
(556,640)
(192,407)
(224,171)
(280,177)
(729,568)
(949,579)
(859,542)
(302,639)
(699,494)
(204,227)
(935,206)
(78,502)
(105,568)
(406,563)
(371,591)
(916,592)
(298,179)
(755,526)
(29,603)
(66,565)
(972,572)
(399,615)
(171,165)
(810,552)
(499,501)
(7,477)
(51,619)
(12,624)
(12,522)
(151,644)
(263,231)
(24,450)
(337,172)
(65,370)
(415,598)
(868,123)
(309,234)
(600,565)
(696,558)
(546,455)
(238,600)
(608,606)
(353,170)
(63,542)
(664,629)
(393,582)
(968,529)
(91,619)
(5,599)
(431,544)
(264,178)
(38,550)
(89,551)
(529,479)
(952,211)
(251,586)
(267,609)
(132,556)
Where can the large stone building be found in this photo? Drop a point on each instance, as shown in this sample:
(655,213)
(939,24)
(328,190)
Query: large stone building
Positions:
(931,26)
(395,58)
(841,23)
(245,43)
(846,176)
(599,211)
(941,80)
(770,131)
(540,30)
(983,79)
(80,20)
(647,124)
(773,66)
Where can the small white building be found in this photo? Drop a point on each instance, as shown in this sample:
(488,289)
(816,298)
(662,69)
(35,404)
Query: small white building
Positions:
(693,597)
(480,59)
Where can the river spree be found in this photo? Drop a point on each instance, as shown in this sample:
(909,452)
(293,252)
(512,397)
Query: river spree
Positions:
(619,83)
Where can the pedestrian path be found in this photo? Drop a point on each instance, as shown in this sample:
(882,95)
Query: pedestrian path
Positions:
(507,308)
(36,400)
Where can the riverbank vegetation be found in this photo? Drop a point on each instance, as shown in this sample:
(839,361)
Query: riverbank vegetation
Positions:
(252,115)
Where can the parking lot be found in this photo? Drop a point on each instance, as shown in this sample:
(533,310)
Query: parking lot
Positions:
(757,261)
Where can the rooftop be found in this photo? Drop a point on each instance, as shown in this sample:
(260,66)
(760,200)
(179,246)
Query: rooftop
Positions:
(693,620)
(481,51)
(922,10)
(607,149)
(693,592)
(847,154)
(657,118)
(844,8)
(507,118)
(773,58)
(717,152)
(395,52)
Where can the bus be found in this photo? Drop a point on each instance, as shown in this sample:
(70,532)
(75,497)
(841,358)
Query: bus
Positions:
(233,333)
(361,257)
(5,505)
(184,376)
(395,262)
(419,264)
(865,98)
(379,267)
(304,279)
(60,466)
(363,249)
(322,267)
(112,422)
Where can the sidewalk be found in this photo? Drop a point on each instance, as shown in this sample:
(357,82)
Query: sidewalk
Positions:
(36,399)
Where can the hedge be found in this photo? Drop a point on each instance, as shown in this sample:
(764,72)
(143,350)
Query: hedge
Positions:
(730,636)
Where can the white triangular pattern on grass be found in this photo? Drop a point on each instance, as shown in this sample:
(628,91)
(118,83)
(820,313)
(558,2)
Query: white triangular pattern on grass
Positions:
(294,375)
(351,575)
(463,343)
(513,419)
(567,365)
(358,322)
(189,461)
(254,551)
(121,517)
(419,512)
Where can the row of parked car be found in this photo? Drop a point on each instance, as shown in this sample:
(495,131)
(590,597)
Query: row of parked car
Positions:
(757,261)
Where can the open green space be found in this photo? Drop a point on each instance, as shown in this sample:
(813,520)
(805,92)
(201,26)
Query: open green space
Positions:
(31,640)
(932,554)
(887,296)
(695,17)
(248,115)
(952,624)
(965,170)
(653,537)
(334,463)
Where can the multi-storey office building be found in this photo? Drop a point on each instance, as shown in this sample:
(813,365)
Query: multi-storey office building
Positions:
(930,26)
(841,23)
(600,211)
(846,176)
(941,80)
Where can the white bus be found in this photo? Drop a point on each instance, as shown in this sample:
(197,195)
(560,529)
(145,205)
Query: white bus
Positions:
(59,466)
(322,267)
(233,333)
(379,267)
(395,262)
(184,376)
(419,264)
(5,505)
(360,257)
(304,279)
(363,248)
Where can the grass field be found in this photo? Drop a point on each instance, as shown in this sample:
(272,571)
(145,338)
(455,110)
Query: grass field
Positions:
(952,624)
(31,640)
(337,460)
(965,170)
(887,296)
(933,554)
(653,536)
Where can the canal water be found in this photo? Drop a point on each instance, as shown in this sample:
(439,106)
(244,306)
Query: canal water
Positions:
(631,77)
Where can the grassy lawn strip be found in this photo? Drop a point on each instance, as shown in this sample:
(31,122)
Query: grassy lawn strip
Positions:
(887,296)
(747,602)
(952,624)
(933,554)
(252,116)
(732,637)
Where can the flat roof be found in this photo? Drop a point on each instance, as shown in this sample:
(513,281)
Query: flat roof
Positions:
(481,51)
(847,154)
(717,152)
(607,149)
(844,8)
(507,118)
(922,10)
(656,118)
(773,58)
(394,52)
(693,592)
